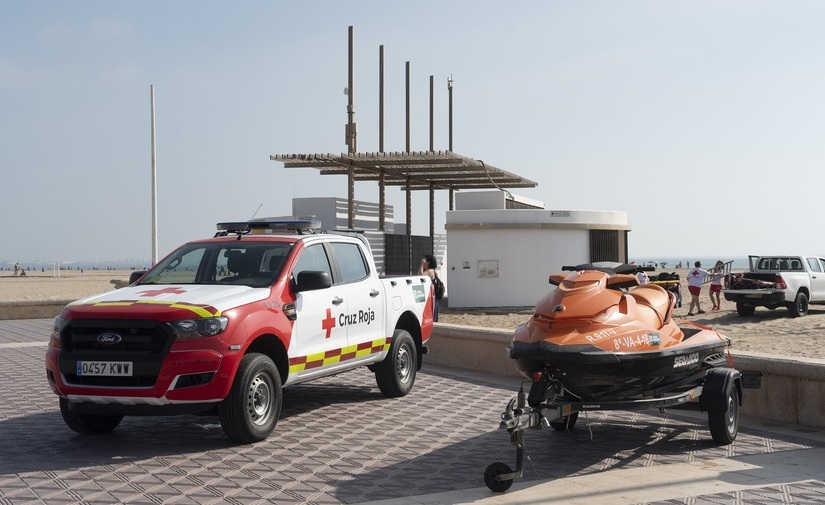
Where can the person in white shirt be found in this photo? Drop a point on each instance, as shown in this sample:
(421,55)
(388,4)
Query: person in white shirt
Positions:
(695,279)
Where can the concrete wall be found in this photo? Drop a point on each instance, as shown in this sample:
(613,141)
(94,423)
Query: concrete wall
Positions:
(793,389)
(31,310)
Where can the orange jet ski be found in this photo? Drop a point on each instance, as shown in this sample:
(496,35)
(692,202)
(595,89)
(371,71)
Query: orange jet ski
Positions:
(601,341)
(603,336)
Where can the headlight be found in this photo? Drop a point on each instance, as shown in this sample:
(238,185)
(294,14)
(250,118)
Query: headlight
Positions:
(187,329)
(57,327)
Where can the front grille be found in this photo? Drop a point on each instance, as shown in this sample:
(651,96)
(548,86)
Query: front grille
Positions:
(136,338)
(143,343)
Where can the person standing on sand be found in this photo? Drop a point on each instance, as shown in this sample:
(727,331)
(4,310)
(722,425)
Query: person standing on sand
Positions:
(427,267)
(695,279)
(717,280)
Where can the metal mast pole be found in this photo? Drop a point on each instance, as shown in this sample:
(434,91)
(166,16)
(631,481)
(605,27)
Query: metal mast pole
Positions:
(154,181)
(450,123)
(351,133)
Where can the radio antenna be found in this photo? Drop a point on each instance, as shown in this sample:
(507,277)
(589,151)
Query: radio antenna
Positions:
(246,229)
(256,211)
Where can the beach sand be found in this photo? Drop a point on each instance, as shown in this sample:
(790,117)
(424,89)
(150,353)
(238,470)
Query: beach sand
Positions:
(767,331)
(45,286)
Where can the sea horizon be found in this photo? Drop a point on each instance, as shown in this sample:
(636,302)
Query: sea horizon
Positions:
(660,262)
(128,264)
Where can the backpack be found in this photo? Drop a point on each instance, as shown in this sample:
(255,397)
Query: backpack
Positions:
(439,287)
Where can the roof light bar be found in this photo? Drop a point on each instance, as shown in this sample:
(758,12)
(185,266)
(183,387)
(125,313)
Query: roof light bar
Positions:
(265,225)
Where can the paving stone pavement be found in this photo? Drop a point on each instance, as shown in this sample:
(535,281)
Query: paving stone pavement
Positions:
(339,441)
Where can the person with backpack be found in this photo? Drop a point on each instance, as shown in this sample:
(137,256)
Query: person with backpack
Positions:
(427,267)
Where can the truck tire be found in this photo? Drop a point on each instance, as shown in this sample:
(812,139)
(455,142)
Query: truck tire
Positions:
(745,310)
(87,424)
(798,307)
(396,374)
(251,410)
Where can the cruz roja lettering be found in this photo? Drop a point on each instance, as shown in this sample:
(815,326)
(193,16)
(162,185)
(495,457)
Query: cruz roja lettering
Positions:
(360,317)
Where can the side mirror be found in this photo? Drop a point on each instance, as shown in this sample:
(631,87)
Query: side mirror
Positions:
(310,280)
(134,276)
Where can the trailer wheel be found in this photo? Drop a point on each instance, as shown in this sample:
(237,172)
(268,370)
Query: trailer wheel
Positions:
(798,307)
(396,374)
(251,410)
(565,423)
(491,474)
(744,310)
(723,417)
(87,424)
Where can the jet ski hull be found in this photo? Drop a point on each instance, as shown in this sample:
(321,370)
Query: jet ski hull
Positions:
(590,373)
(603,337)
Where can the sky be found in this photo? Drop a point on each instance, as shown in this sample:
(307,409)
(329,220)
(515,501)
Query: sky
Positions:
(704,121)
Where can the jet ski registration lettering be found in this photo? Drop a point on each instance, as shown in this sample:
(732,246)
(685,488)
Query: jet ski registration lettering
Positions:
(632,341)
(600,335)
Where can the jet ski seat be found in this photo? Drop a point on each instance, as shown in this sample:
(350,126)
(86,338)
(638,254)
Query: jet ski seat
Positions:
(653,304)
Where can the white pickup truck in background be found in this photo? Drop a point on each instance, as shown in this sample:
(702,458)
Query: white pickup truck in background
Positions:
(778,281)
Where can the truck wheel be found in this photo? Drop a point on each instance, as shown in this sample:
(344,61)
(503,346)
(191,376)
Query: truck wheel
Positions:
(87,424)
(745,310)
(251,410)
(396,374)
(799,307)
(723,411)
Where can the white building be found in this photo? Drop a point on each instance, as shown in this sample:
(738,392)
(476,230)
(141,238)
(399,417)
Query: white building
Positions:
(503,257)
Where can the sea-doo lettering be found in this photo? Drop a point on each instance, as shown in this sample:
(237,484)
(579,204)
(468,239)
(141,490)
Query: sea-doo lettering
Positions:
(690,359)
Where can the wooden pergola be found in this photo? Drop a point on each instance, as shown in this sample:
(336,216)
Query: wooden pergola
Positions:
(415,171)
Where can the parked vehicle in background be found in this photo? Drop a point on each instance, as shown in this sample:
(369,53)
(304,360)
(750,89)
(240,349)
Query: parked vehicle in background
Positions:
(221,324)
(793,282)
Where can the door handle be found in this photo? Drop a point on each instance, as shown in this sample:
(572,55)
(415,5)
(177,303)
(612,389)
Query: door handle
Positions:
(374,293)
(337,301)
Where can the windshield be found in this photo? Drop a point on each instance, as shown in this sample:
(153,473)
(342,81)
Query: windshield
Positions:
(246,263)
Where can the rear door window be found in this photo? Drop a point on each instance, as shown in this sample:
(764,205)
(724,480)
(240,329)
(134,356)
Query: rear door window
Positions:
(350,261)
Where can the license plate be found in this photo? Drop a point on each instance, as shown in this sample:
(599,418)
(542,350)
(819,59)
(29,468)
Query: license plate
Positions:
(753,296)
(105,368)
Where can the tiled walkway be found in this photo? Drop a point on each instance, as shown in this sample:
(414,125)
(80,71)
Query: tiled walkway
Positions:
(340,441)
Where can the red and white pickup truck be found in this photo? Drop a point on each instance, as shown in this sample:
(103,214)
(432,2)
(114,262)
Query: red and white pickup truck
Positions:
(222,324)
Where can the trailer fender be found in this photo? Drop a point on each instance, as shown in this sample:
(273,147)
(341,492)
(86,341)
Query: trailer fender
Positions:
(716,387)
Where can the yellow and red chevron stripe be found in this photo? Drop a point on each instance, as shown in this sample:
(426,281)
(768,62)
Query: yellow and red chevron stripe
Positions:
(331,357)
(199,310)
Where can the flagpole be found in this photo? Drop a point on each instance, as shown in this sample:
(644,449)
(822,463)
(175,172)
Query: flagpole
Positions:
(154,182)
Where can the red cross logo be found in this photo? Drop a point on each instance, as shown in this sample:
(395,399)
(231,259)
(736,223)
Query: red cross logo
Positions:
(328,323)
(155,292)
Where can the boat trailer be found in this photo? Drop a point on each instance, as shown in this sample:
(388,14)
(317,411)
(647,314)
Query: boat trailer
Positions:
(719,393)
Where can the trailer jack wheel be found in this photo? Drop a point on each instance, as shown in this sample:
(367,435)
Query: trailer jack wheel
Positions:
(493,477)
